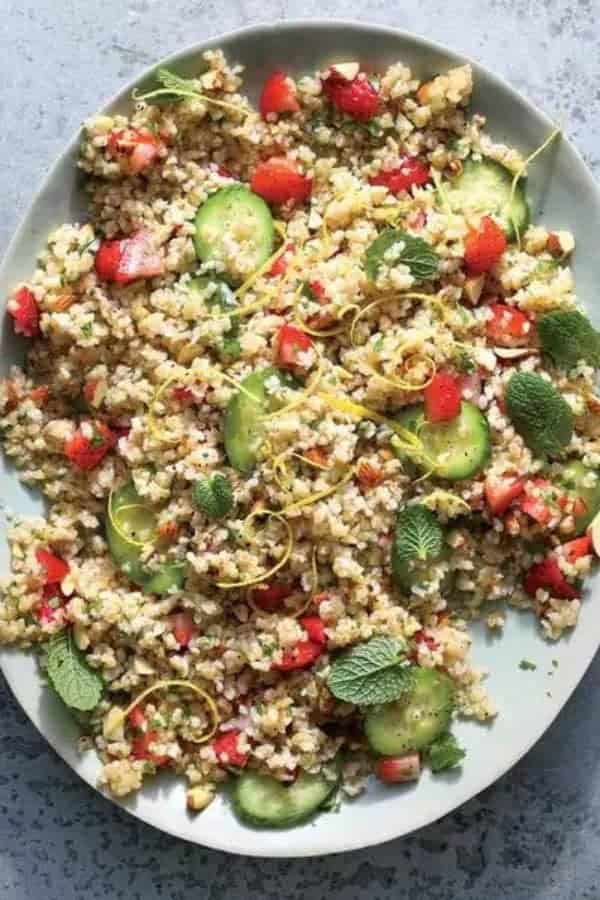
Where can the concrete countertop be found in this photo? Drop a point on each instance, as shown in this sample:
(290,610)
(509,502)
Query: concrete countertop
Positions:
(536,833)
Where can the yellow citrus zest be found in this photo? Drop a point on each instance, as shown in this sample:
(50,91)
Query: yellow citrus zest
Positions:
(170,683)
(521,171)
(279,466)
(230,585)
(112,518)
(245,287)
(448,498)
(433,299)
(319,495)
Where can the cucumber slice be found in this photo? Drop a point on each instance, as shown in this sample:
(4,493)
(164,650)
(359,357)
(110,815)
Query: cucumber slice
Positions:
(460,448)
(414,721)
(137,522)
(264,801)
(243,428)
(235,210)
(575,477)
(484,186)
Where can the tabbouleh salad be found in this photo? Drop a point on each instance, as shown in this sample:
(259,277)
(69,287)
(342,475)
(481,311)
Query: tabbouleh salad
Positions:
(307,392)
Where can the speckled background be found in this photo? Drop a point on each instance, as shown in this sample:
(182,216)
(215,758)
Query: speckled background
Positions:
(536,833)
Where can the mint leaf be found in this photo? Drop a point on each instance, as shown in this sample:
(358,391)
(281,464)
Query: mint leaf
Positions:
(568,337)
(444,753)
(213,496)
(539,413)
(394,247)
(374,672)
(77,684)
(419,540)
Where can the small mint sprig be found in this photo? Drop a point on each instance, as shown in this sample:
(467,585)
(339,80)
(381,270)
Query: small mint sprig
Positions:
(376,671)
(213,496)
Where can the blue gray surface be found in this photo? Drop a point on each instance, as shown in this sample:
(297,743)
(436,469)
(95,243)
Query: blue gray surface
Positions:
(536,833)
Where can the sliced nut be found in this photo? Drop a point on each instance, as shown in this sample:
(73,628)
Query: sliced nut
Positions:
(199,797)
(514,352)
(348,70)
(473,288)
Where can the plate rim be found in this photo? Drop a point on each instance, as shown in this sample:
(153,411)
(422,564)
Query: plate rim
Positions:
(344,842)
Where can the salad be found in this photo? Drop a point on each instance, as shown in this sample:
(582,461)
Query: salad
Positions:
(307,392)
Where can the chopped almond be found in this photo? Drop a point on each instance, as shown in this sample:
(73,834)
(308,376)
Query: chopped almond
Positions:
(369,475)
(318,455)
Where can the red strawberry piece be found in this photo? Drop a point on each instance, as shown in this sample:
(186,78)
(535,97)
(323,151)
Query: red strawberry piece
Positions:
(484,246)
(442,398)
(508,327)
(25,312)
(278,95)
(547,575)
(129,259)
(398,769)
(357,97)
(270,597)
(226,750)
(290,342)
(302,655)
(86,453)
(500,492)
(55,568)
(410,172)
(278,180)
(184,628)
(140,749)
(314,628)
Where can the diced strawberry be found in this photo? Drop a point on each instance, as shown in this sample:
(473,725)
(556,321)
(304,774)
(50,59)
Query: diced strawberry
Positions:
(500,492)
(89,389)
(314,628)
(23,307)
(278,180)
(317,289)
(410,172)
(183,626)
(46,614)
(398,769)
(140,748)
(484,246)
(54,567)
(575,549)
(553,245)
(86,453)
(278,95)
(128,259)
(357,97)
(547,575)
(183,395)
(140,145)
(136,718)
(368,475)
(533,503)
(301,656)
(508,326)
(270,597)
(226,750)
(422,637)
(40,394)
(281,263)
(317,455)
(442,398)
(290,342)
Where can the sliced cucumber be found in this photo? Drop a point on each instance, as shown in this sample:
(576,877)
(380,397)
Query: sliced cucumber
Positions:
(262,800)
(459,448)
(484,186)
(243,429)
(577,477)
(129,522)
(414,721)
(230,211)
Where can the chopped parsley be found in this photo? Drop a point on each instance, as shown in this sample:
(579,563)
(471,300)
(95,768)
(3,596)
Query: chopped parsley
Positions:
(527,666)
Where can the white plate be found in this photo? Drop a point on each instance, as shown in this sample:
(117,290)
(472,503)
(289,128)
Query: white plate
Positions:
(561,187)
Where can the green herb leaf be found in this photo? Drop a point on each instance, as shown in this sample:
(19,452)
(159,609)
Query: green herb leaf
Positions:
(394,247)
(374,672)
(173,88)
(568,337)
(419,539)
(539,413)
(86,329)
(445,753)
(76,683)
(213,496)
(527,666)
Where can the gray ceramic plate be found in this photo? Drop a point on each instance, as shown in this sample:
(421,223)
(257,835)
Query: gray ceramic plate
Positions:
(560,188)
